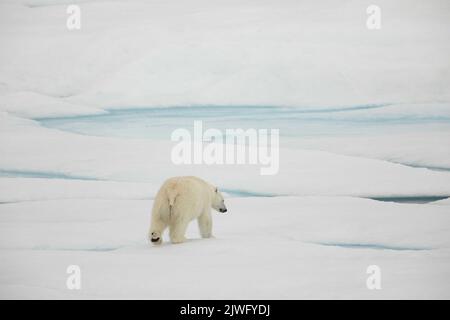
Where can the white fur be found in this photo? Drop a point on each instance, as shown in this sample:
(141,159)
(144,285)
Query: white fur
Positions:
(181,200)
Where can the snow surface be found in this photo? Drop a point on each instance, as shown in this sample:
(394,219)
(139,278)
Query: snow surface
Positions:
(261,250)
(370,120)
(251,52)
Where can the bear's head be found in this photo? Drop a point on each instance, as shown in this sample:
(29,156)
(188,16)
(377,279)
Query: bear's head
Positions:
(218,203)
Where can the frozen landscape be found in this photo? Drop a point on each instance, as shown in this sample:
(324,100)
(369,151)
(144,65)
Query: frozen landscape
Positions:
(364,175)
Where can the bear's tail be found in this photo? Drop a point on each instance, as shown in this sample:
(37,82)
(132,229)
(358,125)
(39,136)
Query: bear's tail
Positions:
(171,196)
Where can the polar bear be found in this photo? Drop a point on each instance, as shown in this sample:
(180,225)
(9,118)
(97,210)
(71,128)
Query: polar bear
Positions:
(181,200)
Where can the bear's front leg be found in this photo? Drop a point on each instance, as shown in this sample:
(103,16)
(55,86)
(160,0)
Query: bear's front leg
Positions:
(205,224)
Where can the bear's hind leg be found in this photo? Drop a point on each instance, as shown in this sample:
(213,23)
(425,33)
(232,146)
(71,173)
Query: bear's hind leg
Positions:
(177,231)
(157,228)
(205,224)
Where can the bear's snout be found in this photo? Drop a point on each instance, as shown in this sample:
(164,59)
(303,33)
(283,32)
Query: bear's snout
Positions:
(223,210)
(155,239)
